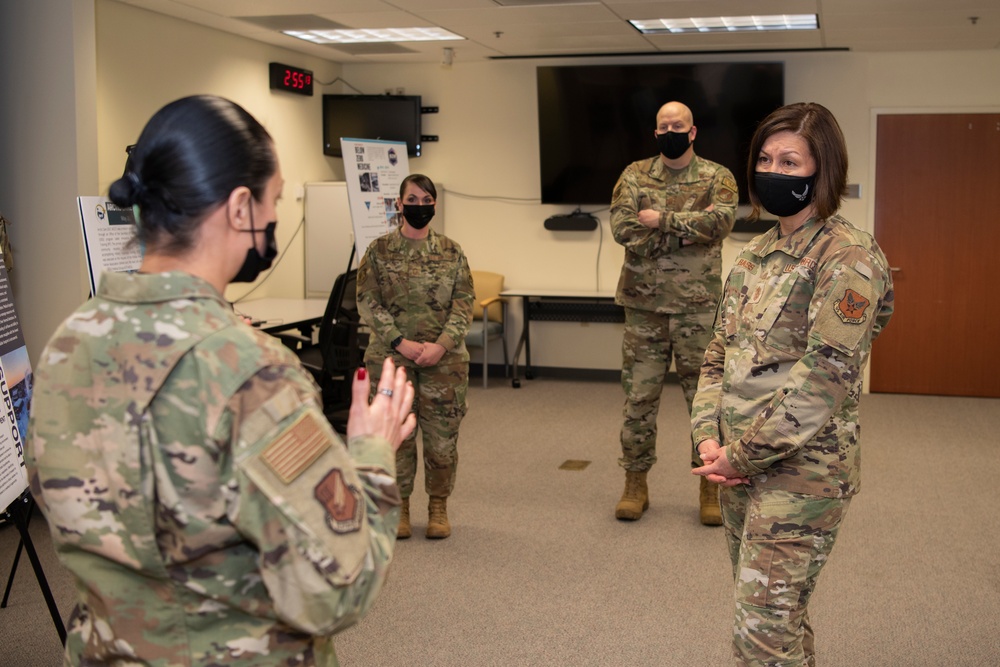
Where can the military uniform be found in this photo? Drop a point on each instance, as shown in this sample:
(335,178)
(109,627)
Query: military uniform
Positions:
(207,510)
(421,290)
(780,387)
(669,290)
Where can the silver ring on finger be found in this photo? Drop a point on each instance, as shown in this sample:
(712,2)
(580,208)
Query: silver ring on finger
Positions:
(387,392)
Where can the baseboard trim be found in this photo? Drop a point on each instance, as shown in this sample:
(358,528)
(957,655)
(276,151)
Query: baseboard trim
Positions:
(558,373)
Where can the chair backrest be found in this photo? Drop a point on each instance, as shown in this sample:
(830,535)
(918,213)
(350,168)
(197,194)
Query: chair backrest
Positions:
(488,285)
(338,342)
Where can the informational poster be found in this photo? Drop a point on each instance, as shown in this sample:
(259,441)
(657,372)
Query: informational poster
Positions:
(374,170)
(108,238)
(15,391)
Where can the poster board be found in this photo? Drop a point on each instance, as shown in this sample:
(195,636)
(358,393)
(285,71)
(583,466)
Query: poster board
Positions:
(15,392)
(108,232)
(374,170)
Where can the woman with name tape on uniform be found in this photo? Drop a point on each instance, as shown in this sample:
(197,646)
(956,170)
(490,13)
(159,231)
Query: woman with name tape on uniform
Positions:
(776,412)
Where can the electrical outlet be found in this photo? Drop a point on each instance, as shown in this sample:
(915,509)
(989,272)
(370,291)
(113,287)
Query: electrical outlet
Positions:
(388,91)
(400,90)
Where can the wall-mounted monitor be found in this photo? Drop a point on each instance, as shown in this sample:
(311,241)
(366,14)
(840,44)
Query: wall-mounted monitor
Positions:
(386,117)
(594,120)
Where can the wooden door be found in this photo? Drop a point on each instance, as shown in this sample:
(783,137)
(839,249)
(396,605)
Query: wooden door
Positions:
(937,218)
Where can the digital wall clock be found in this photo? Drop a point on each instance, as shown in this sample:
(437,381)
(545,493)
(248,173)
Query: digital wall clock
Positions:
(291,79)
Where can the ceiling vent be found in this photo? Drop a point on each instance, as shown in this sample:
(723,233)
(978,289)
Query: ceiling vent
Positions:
(284,22)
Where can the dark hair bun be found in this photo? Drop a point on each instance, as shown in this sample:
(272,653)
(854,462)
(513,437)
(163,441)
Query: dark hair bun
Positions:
(127,190)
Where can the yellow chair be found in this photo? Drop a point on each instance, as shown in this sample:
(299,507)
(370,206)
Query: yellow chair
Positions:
(489,318)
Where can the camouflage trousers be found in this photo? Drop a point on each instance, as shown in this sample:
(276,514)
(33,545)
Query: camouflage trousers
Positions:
(439,404)
(651,341)
(778,543)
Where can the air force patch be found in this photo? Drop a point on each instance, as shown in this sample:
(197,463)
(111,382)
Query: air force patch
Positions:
(851,309)
(342,502)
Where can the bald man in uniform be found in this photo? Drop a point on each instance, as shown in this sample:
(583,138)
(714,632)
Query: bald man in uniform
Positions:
(670,212)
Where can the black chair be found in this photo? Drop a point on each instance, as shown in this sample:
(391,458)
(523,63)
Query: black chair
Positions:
(338,351)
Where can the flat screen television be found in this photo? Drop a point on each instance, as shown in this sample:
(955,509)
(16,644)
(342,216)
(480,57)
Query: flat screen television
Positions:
(387,117)
(594,120)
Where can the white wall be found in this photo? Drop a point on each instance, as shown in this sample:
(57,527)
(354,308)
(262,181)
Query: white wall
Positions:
(488,143)
(489,146)
(145,60)
(48,142)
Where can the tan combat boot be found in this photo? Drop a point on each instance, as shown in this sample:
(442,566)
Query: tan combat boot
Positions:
(437,523)
(711,514)
(635,499)
(404,520)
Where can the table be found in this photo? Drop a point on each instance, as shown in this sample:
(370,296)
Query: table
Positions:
(276,314)
(559,306)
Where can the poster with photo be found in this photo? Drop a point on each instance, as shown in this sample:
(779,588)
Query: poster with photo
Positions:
(108,238)
(374,170)
(15,390)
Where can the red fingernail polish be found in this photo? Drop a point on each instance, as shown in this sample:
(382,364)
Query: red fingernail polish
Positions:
(362,374)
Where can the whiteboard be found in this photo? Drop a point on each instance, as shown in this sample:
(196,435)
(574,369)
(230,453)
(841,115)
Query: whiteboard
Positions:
(329,234)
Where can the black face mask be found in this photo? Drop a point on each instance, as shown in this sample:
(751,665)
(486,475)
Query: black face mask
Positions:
(418,215)
(254,263)
(784,195)
(673,144)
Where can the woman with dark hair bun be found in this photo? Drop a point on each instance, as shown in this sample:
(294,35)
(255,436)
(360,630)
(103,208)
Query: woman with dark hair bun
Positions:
(415,292)
(776,412)
(207,510)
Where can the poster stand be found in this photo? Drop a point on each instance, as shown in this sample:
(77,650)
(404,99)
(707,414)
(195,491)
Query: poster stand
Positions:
(19,512)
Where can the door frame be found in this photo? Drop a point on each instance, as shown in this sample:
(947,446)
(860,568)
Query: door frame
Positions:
(875,112)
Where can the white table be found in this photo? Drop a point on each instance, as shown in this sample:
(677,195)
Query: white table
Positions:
(277,314)
(559,306)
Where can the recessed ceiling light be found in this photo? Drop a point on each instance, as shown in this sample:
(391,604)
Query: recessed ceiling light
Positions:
(367,35)
(727,24)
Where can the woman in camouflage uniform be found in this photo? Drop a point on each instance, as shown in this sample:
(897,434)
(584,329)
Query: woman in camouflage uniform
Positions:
(415,293)
(208,512)
(776,412)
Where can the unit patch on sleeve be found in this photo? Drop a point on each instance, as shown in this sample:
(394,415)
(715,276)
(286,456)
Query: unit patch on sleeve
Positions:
(851,308)
(342,502)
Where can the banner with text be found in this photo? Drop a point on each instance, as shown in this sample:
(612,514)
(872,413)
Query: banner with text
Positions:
(15,388)
(374,170)
(108,233)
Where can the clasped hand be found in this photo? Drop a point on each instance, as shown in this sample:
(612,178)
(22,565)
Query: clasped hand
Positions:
(422,354)
(717,468)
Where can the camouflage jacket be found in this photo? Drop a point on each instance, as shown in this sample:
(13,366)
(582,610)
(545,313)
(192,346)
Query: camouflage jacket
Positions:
(782,376)
(421,292)
(659,274)
(207,510)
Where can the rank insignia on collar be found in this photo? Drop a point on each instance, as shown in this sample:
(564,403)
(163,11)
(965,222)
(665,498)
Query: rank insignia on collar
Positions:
(851,309)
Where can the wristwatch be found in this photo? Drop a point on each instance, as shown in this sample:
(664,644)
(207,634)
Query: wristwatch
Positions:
(395,342)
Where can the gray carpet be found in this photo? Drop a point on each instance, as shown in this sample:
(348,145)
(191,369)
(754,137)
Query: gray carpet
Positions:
(538,571)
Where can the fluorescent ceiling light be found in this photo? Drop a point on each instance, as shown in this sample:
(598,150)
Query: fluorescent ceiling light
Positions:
(368,35)
(727,24)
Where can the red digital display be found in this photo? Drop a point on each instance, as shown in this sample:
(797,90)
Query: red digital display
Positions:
(291,79)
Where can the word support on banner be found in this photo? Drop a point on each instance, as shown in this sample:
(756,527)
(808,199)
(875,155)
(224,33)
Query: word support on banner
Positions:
(15,397)
(374,170)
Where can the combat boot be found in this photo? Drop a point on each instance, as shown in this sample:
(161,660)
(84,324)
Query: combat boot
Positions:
(635,499)
(437,523)
(711,514)
(404,520)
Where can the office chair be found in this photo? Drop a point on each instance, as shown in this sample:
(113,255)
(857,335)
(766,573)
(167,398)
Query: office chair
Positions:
(489,318)
(339,349)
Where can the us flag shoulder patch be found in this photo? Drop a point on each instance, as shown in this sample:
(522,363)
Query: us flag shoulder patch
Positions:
(296,448)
